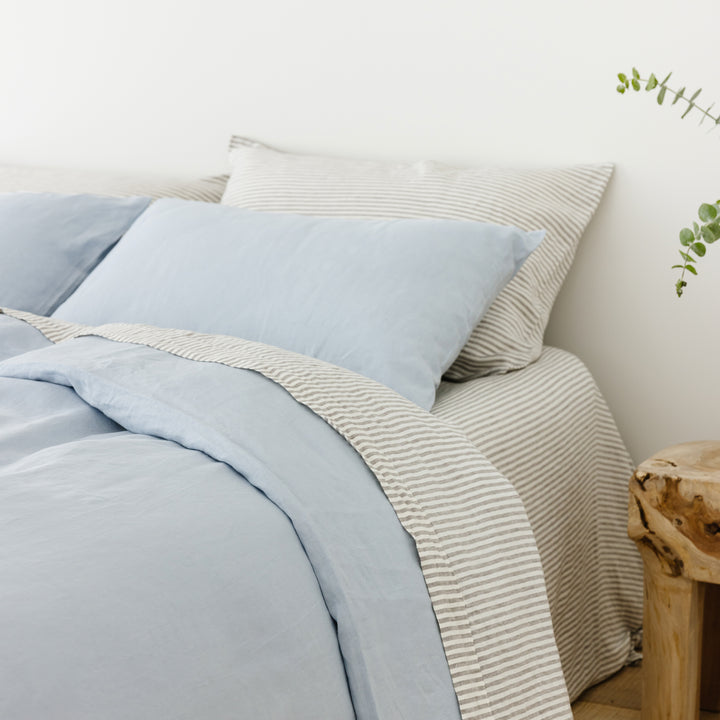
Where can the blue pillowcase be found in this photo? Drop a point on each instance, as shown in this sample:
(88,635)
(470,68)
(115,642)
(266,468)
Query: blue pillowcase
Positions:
(394,300)
(49,243)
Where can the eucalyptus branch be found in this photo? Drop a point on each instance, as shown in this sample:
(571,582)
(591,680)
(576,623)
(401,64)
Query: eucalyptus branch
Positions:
(693,242)
(651,83)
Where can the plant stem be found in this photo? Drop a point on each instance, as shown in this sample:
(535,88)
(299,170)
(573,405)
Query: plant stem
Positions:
(682,279)
(705,112)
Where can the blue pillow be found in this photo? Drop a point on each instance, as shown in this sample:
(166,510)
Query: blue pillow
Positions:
(49,243)
(394,300)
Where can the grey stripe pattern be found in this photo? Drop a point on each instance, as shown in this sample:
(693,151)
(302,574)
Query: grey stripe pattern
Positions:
(20,178)
(475,545)
(559,200)
(549,431)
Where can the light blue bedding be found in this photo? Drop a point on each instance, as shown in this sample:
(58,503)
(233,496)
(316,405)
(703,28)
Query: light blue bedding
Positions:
(394,300)
(50,242)
(184,540)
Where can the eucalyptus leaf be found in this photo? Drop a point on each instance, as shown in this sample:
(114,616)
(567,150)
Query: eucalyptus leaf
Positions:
(661,95)
(620,88)
(636,73)
(707,212)
(707,235)
(713,230)
(686,236)
(622,77)
(696,230)
(652,82)
(706,113)
(687,258)
(698,248)
(635,84)
(678,95)
(691,269)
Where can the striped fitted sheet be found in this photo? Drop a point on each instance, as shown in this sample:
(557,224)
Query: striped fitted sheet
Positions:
(548,430)
(475,546)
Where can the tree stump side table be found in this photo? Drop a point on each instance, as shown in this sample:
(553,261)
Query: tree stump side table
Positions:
(674,517)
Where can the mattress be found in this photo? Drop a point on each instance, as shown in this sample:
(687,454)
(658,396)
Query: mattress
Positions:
(548,429)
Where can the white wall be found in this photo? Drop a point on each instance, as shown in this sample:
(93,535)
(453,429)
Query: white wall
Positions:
(160,85)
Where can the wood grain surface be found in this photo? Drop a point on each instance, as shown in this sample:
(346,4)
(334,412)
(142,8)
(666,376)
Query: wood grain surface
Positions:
(618,698)
(674,518)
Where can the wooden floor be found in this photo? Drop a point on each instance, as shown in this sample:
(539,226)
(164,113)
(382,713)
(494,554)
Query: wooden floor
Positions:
(617,699)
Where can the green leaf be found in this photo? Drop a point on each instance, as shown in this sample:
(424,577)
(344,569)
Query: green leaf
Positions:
(691,103)
(686,236)
(667,77)
(698,248)
(687,258)
(707,212)
(661,95)
(691,268)
(635,84)
(679,285)
(707,235)
(622,77)
(706,113)
(678,95)
(620,88)
(713,232)
(696,230)
(652,82)
(635,73)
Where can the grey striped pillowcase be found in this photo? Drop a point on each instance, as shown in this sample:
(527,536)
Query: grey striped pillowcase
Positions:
(559,200)
(20,178)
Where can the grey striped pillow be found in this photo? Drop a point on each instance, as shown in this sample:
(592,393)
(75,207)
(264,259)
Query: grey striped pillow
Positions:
(21,178)
(560,200)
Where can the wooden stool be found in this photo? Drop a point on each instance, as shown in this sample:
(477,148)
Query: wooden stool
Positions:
(674,517)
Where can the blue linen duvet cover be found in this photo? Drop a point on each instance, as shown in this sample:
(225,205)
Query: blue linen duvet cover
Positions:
(183,539)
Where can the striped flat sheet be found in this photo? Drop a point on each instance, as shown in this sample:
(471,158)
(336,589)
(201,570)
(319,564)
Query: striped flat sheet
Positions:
(548,430)
(476,549)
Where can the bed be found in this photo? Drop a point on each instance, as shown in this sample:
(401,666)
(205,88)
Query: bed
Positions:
(252,513)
